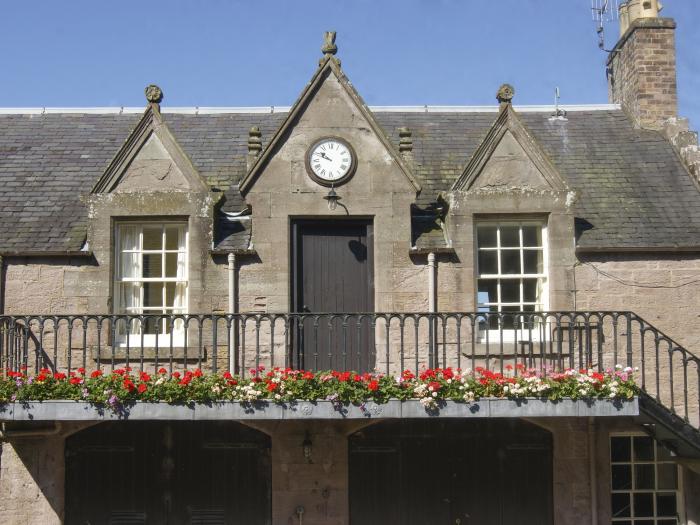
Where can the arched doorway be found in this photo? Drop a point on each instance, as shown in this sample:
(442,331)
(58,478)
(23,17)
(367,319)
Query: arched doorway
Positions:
(170,472)
(429,472)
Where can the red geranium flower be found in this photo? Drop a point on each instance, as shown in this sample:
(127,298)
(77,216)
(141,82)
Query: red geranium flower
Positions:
(96,373)
(75,380)
(373,385)
(142,388)
(128,384)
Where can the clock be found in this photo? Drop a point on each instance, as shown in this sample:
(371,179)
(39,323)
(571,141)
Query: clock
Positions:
(331,161)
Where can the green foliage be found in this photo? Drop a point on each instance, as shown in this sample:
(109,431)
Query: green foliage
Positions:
(124,385)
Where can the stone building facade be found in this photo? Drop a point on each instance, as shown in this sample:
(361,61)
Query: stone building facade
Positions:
(224,211)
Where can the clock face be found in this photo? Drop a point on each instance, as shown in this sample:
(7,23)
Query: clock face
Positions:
(330,161)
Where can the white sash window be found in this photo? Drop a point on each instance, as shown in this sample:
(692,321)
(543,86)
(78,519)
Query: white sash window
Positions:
(511,276)
(151,279)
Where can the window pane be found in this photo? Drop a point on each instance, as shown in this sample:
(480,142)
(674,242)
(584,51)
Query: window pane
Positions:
(510,236)
(151,326)
(130,297)
(620,449)
(153,265)
(532,236)
(152,294)
(130,267)
(644,505)
(486,236)
(129,237)
(643,448)
(530,290)
(532,261)
(668,476)
(666,504)
(492,321)
(152,238)
(509,318)
(510,261)
(621,477)
(510,291)
(170,294)
(667,522)
(171,264)
(488,262)
(620,504)
(644,477)
(172,235)
(487,291)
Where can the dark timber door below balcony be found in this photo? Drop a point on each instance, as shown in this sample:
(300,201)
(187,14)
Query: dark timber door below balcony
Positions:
(434,472)
(168,472)
(332,273)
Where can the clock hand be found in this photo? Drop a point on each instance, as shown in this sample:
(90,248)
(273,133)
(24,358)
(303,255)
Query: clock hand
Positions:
(323,155)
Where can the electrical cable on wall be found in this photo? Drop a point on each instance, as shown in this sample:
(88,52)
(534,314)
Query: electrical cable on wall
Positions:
(635,284)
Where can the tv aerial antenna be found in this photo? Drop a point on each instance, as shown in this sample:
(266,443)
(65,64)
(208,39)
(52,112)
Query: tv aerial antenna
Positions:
(603,12)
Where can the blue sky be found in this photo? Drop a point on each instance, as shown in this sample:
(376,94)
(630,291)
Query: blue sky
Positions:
(262,52)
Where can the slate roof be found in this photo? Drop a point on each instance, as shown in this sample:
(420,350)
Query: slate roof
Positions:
(634,191)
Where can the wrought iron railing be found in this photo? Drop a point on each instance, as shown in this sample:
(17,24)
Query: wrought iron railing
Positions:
(378,342)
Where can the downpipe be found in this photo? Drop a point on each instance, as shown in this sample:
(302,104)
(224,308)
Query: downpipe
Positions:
(432,306)
(232,293)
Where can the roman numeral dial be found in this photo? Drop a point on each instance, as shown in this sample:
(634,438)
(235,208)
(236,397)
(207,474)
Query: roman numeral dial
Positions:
(330,161)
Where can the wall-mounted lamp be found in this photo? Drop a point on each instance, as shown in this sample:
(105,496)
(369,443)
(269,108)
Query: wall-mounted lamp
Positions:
(306,446)
(332,199)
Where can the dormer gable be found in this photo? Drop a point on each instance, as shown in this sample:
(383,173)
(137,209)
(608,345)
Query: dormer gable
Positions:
(150,160)
(509,158)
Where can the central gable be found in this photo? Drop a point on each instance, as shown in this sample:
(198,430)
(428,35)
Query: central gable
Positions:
(330,107)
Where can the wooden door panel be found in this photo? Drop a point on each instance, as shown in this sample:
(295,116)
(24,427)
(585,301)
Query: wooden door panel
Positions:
(477,472)
(332,273)
(175,473)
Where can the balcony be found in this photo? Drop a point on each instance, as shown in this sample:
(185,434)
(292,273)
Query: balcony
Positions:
(385,343)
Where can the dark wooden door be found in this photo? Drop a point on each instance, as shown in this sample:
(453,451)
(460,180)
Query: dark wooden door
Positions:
(427,472)
(174,473)
(332,274)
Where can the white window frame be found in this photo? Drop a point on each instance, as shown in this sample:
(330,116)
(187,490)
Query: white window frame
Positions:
(149,340)
(537,333)
(680,503)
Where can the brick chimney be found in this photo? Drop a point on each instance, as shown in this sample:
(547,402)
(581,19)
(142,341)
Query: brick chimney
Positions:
(641,68)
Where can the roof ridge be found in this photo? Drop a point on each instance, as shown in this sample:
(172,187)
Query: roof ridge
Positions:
(213,110)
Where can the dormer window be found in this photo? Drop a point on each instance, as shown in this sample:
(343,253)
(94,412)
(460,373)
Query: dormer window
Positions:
(151,278)
(512,270)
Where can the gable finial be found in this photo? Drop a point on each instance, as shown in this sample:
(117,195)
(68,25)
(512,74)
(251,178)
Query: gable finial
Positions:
(329,47)
(505,95)
(154,95)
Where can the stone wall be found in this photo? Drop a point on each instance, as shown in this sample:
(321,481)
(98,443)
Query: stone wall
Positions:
(32,476)
(642,72)
(663,289)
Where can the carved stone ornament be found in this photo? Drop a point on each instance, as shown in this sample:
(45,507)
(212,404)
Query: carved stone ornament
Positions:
(329,47)
(154,94)
(505,94)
